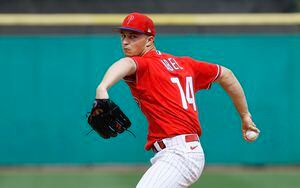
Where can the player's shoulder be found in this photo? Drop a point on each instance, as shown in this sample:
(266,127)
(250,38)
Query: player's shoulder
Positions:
(185,59)
(193,60)
(182,59)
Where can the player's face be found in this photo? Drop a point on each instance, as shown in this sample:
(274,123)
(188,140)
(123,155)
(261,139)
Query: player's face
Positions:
(133,43)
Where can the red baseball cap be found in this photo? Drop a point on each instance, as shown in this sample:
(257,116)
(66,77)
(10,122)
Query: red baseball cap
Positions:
(139,23)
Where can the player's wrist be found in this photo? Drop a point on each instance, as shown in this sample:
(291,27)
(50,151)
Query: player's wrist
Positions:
(101,93)
(245,116)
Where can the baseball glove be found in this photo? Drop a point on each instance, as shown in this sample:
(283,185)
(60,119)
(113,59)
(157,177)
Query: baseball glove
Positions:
(107,119)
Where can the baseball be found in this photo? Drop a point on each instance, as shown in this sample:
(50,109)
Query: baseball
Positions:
(251,135)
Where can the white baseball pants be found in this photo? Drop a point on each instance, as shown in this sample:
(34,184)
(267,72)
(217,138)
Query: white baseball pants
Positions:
(178,165)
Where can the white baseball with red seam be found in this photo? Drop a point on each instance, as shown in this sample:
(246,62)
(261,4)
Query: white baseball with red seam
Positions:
(251,135)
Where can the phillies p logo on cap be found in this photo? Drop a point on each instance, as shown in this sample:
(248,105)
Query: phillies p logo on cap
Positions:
(139,23)
(129,18)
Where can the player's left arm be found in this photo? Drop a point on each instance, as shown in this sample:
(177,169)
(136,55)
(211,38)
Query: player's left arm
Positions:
(106,118)
(124,67)
(231,85)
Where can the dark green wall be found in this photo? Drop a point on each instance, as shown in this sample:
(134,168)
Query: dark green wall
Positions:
(48,84)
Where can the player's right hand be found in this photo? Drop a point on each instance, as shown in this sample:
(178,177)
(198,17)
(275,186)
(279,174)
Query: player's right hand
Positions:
(248,124)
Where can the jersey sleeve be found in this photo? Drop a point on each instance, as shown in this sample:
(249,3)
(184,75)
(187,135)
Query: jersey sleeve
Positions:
(204,73)
(141,68)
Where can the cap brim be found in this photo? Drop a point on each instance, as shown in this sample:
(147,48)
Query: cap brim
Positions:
(129,29)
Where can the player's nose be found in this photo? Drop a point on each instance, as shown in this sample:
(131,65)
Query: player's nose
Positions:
(125,41)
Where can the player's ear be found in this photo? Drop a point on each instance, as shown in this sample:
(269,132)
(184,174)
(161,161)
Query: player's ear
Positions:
(150,41)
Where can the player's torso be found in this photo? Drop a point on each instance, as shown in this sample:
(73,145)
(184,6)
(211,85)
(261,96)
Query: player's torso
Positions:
(165,94)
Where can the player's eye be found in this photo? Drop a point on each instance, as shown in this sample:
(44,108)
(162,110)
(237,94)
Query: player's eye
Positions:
(133,36)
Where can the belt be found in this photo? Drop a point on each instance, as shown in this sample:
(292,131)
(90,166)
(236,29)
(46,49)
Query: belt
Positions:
(188,138)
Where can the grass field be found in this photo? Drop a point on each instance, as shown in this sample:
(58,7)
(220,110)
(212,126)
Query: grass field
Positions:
(128,177)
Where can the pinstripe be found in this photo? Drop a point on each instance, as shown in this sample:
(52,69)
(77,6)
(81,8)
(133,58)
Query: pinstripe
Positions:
(177,166)
(160,176)
(168,172)
(164,169)
(169,177)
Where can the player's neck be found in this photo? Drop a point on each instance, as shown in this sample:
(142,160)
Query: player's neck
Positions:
(148,49)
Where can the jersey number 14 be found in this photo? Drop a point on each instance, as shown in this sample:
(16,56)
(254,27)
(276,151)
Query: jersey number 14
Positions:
(187,97)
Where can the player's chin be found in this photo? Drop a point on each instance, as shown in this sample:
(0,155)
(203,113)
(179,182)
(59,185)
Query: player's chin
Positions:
(128,54)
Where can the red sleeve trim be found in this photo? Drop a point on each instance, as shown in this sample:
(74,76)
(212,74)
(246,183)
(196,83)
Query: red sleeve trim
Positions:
(219,73)
(216,77)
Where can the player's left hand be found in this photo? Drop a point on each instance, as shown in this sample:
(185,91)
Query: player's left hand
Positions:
(107,119)
(248,124)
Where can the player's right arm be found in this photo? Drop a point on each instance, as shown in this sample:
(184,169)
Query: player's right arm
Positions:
(117,71)
(234,89)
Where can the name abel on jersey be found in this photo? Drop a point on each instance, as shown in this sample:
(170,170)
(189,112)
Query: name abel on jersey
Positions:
(171,64)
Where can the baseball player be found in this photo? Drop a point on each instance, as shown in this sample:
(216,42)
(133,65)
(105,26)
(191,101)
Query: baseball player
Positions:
(164,88)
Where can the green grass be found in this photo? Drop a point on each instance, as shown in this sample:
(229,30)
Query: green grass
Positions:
(129,178)
(249,180)
(69,180)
